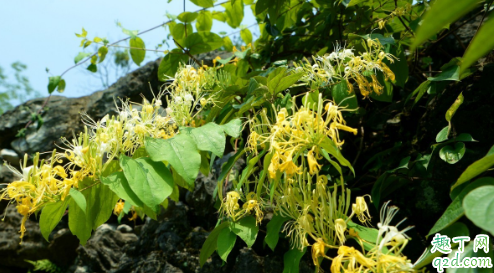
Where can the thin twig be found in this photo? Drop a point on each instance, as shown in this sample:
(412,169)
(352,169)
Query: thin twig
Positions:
(90,186)
(186,51)
(401,20)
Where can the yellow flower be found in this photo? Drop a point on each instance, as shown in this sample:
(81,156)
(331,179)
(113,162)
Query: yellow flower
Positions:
(340,228)
(313,166)
(118,207)
(361,210)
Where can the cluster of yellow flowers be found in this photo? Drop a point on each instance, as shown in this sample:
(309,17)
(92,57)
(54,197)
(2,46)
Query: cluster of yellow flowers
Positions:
(344,65)
(87,156)
(189,93)
(320,211)
(385,256)
(292,135)
(231,208)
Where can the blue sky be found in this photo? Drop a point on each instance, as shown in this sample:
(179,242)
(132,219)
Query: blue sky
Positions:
(41,34)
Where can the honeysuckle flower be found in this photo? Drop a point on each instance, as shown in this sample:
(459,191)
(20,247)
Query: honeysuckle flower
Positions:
(390,235)
(318,250)
(340,228)
(361,209)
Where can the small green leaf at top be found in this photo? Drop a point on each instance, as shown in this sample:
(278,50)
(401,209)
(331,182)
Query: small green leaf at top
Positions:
(61,86)
(452,155)
(53,83)
(187,17)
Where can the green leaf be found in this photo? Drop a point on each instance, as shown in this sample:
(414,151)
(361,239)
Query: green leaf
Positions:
(475,169)
(367,234)
(442,135)
(399,67)
(481,44)
(170,64)
(441,14)
(355,2)
(137,52)
(102,51)
(204,21)
(180,31)
(78,224)
(291,260)
(233,128)
(120,186)
(226,242)
(187,17)
(83,34)
(210,244)
(201,42)
(246,229)
(452,155)
(342,98)
(81,56)
(479,207)
(227,42)
(273,230)
(329,146)
(262,5)
(151,181)
(51,215)
(209,137)
(451,73)
(79,198)
(279,80)
(100,201)
(452,109)
(180,151)
(53,83)
(383,40)
(61,86)
(234,13)
(246,36)
(203,3)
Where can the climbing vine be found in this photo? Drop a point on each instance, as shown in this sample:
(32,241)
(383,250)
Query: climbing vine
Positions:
(288,102)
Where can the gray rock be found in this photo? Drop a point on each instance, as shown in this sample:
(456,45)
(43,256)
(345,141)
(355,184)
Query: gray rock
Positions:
(9,156)
(124,229)
(104,250)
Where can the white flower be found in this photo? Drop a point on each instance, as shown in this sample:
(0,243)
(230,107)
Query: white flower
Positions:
(178,99)
(169,111)
(316,66)
(345,53)
(333,56)
(189,97)
(391,233)
(158,103)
